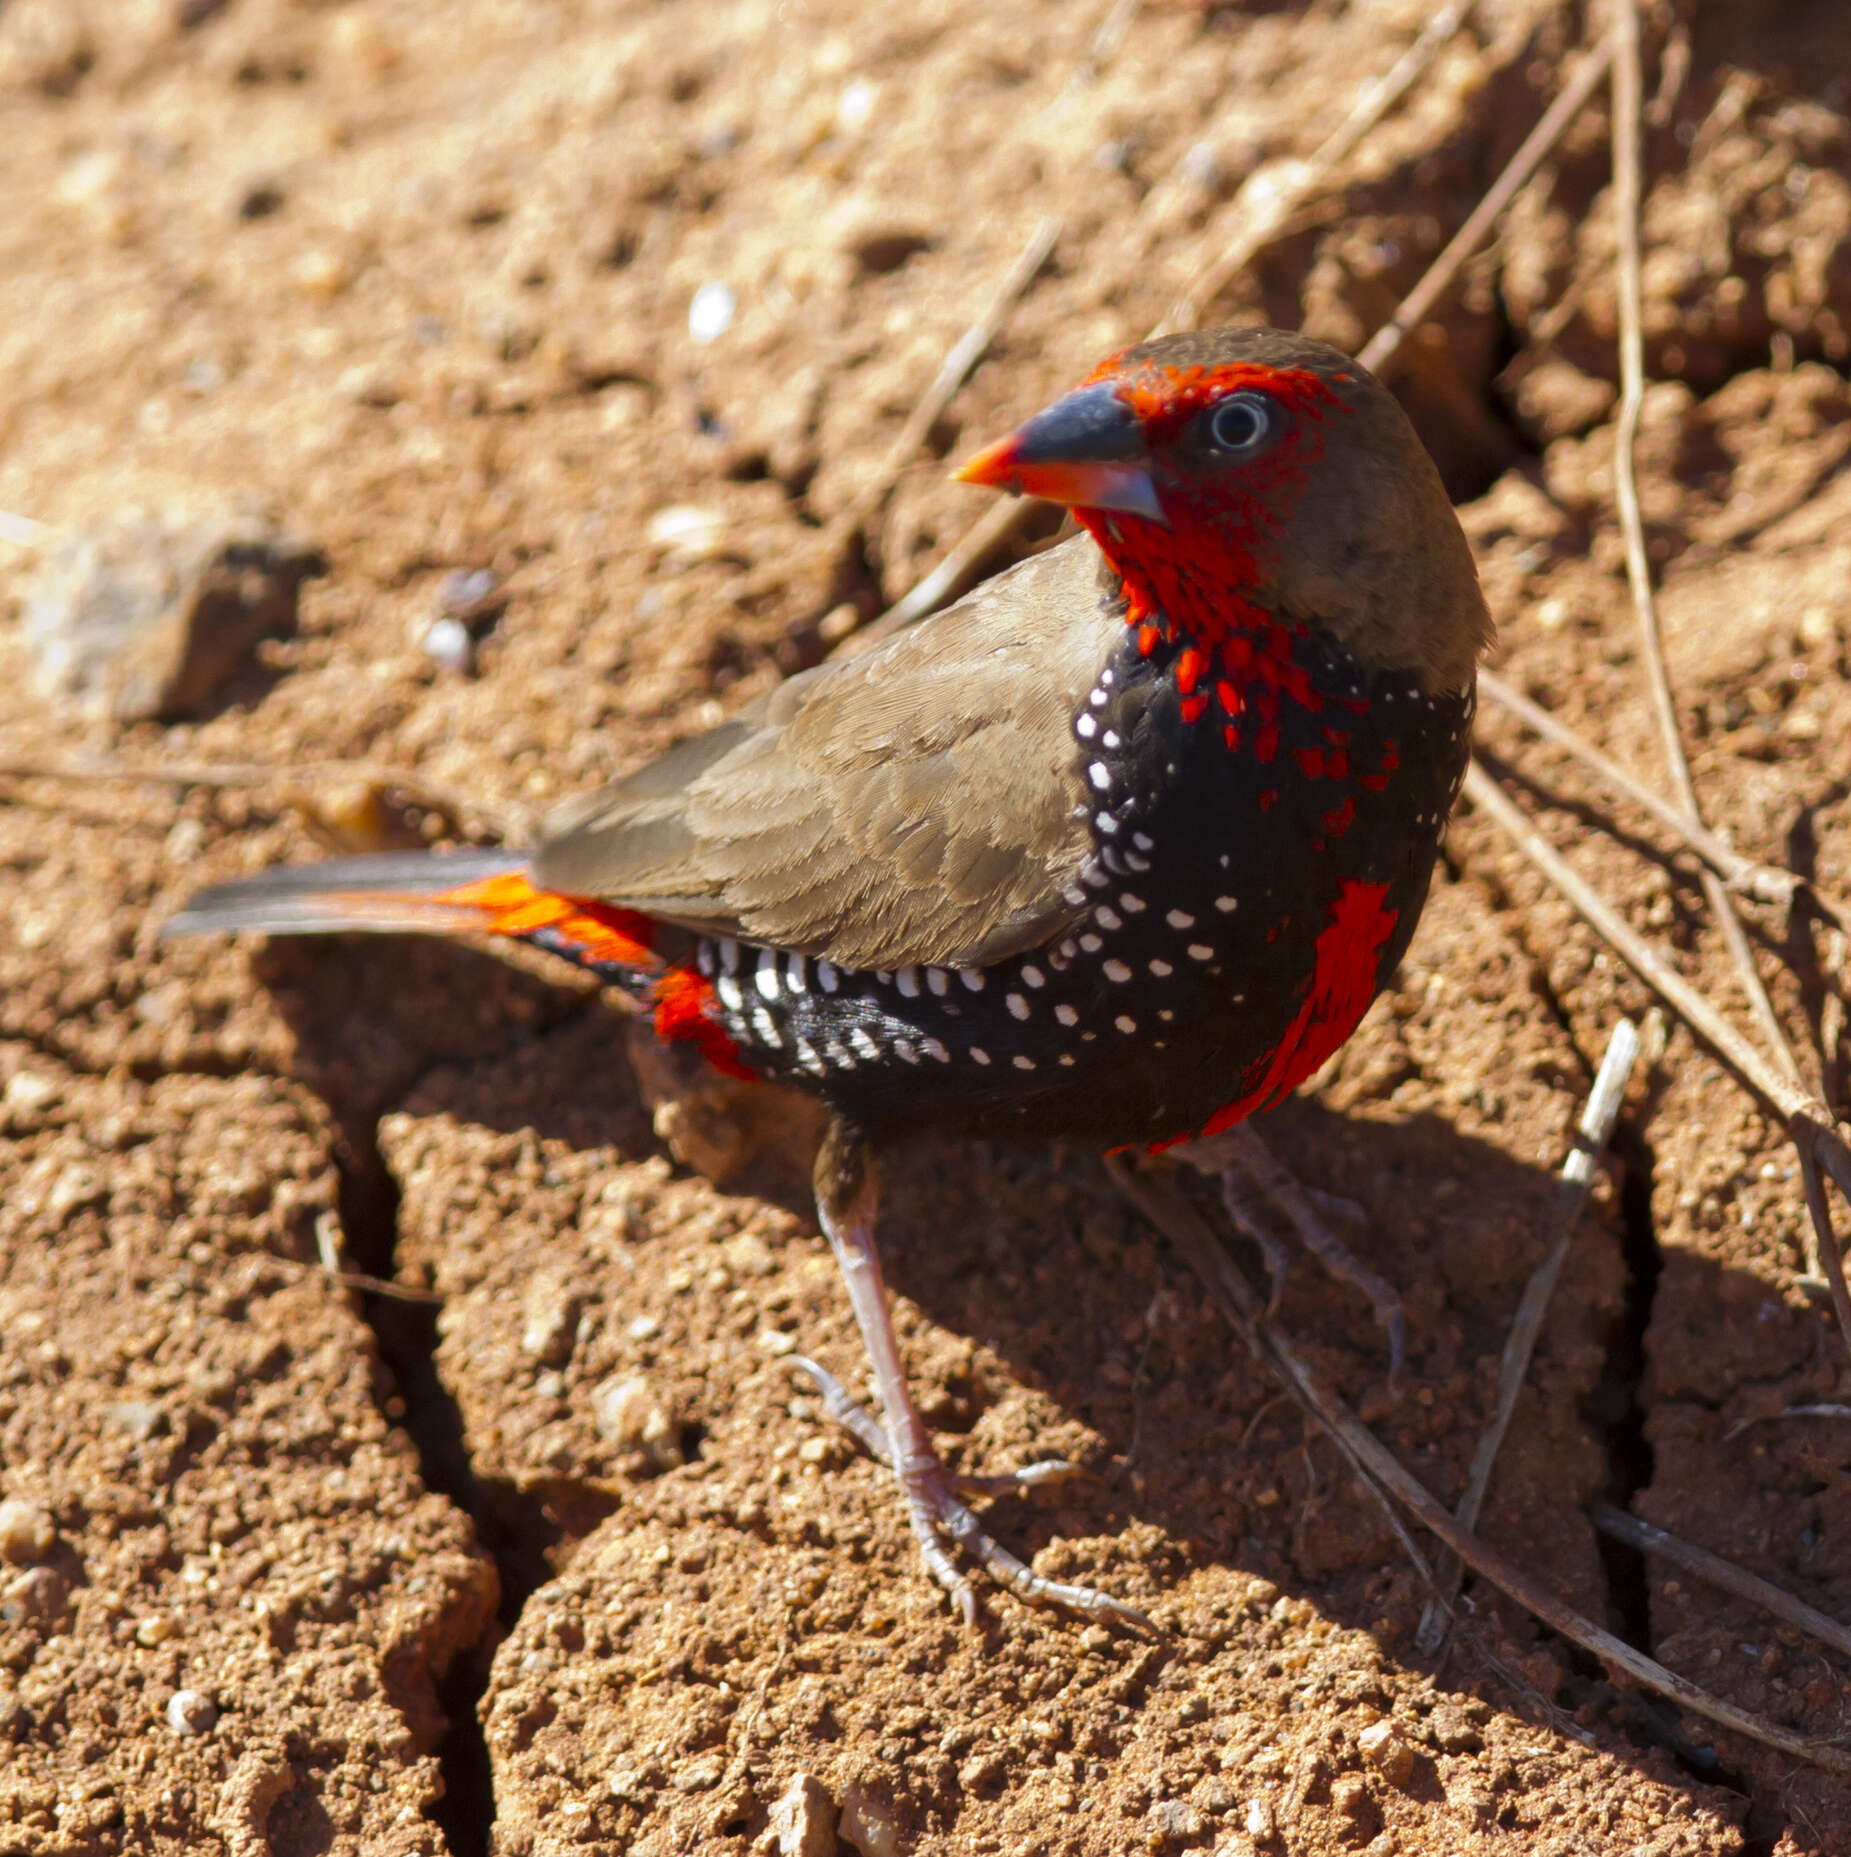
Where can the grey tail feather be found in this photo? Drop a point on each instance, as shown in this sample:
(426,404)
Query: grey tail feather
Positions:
(332,897)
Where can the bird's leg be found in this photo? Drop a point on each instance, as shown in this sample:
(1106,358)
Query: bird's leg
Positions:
(1246,1166)
(846,1199)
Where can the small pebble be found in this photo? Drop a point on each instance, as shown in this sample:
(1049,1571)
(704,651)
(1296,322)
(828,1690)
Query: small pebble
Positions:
(804,1819)
(1384,1749)
(153,1630)
(140,1418)
(447,642)
(191,1711)
(550,1310)
(628,1414)
(1175,1821)
(29,1091)
(35,1597)
(711,313)
(26,1532)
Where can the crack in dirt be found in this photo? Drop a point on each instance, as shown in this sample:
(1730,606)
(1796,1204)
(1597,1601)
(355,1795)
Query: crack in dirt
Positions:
(407,1339)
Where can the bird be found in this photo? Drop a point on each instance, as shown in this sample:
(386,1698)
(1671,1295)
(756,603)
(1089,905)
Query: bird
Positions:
(1117,850)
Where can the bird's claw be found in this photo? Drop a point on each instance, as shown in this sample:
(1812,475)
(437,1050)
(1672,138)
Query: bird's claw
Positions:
(936,1512)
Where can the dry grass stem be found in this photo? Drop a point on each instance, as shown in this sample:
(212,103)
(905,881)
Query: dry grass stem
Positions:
(1628,135)
(1380,1470)
(507,822)
(1268,206)
(1723,1573)
(1810,1124)
(960,362)
(1380,352)
(1598,1116)
(1763,883)
(1269,200)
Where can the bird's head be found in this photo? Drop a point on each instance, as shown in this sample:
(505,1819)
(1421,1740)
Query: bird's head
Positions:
(1239,478)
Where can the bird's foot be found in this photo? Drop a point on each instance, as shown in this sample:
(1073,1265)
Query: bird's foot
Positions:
(934,1507)
(1250,1175)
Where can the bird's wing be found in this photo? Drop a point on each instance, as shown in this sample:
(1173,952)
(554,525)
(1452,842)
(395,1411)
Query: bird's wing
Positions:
(919,804)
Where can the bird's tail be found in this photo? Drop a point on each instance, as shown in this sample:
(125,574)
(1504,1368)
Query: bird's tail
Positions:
(424,893)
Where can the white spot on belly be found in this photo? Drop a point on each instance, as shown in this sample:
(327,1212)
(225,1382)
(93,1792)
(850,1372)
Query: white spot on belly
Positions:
(1017,1005)
(933,1049)
(730,996)
(1200,951)
(766,979)
(1132,905)
(863,1043)
(904,1048)
(1109,739)
(1180,919)
(797,973)
(1117,970)
(1162,969)
(1091,942)
(1034,976)
(839,1054)
(1066,1014)
(1085,726)
(729,956)
(1143,842)
(908,977)
(1227,904)
(1066,1058)
(766,1027)
(979,1055)
(827,977)
(704,957)
(1105,822)
(1108,917)
(972,978)
(938,980)
(807,1058)
(1125,1022)
(1023,1063)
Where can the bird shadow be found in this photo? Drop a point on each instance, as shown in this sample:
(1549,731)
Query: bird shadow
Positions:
(1077,1319)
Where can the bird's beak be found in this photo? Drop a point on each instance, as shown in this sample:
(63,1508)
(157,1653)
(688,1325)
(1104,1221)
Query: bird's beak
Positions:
(1086,451)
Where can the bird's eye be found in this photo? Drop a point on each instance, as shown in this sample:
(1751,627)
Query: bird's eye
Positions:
(1241,422)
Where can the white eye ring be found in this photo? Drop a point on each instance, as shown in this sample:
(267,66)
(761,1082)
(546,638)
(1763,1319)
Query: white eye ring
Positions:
(1241,422)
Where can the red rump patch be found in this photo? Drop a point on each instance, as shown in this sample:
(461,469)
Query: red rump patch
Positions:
(684,1002)
(1349,950)
(680,998)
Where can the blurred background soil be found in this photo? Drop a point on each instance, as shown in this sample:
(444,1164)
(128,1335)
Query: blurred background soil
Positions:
(490,378)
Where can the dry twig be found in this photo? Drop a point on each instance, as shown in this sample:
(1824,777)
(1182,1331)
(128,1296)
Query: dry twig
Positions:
(1807,1121)
(1627,137)
(957,367)
(1720,1572)
(506,822)
(1764,883)
(1269,200)
(1269,205)
(1381,350)
(1576,1182)
(1380,1470)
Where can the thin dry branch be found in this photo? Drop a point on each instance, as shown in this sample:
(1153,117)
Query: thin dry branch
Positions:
(506,822)
(1378,1467)
(1577,1181)
(1270,204)
(1807,1121)
(1764,883)
(960,362)
(1270,200)
(1380,352)
(1628,134)
(1723,1573)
